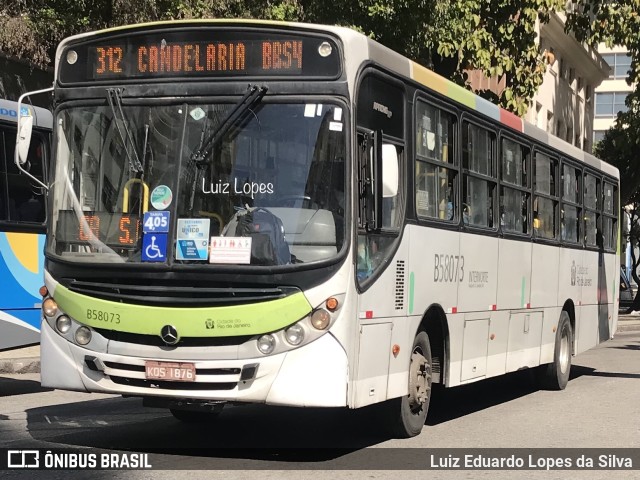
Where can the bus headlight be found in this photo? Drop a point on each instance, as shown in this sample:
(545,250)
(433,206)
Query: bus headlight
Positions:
(63,324)
(266,343)
(83,336)
(49,307)
(320,319)
(294,334)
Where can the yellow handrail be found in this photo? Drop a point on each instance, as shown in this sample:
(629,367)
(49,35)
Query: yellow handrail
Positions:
(145,195)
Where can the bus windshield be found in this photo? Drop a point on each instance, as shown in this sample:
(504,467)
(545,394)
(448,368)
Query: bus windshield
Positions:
(119,165)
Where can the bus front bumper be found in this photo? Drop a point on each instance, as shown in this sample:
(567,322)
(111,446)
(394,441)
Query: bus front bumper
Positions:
(314,375)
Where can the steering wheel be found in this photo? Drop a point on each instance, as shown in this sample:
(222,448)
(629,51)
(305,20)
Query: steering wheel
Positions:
(303,201)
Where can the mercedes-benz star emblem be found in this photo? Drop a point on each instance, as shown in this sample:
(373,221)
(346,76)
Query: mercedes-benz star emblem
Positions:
(169,335)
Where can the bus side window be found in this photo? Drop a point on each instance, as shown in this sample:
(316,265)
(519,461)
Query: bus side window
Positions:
(26,199)
(479,186)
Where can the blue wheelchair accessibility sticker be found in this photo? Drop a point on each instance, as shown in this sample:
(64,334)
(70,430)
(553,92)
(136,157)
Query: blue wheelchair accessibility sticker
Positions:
(154,247)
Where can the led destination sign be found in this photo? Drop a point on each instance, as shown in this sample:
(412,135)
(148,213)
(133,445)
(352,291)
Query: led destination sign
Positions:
(113,229)
(201,53)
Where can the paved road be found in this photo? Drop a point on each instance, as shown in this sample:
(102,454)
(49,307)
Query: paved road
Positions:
(599,409)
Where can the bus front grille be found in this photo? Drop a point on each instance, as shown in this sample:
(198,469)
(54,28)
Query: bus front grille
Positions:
(175,294)
(156,341)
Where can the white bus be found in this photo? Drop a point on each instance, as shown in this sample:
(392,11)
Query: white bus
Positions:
(291,214)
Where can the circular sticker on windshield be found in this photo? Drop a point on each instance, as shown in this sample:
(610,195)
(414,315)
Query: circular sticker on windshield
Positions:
(161,197)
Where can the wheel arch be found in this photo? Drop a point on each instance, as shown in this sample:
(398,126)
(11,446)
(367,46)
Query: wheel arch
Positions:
(434,323)
(570,308)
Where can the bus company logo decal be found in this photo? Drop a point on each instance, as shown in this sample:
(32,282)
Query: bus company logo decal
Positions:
(169,335)
(378,107)
(478,279)
(210,324)
(580,276)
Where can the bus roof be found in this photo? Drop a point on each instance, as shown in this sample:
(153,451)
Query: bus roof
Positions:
(41,116)
(362,49)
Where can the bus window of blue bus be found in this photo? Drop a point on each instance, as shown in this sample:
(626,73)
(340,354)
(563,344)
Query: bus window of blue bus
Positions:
(22,228)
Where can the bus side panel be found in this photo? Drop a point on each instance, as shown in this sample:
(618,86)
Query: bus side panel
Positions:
(21,270)
(435,269)
(477,290)
(544,275)
(514,275)
(586,276)
(16,328)
(379,309)
(570,287)
(21,267)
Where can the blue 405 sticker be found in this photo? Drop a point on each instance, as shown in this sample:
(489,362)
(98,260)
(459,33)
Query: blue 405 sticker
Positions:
(155,222)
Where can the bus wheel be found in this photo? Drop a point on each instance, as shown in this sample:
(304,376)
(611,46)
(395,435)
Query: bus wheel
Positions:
(408,414)
(194,416)
(555,375)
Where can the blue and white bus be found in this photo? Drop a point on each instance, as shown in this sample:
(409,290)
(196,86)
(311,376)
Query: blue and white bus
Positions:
(22,227)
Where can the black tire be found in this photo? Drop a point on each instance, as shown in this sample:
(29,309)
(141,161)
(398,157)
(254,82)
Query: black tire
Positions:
(193,416)
(406,415)
(555,375)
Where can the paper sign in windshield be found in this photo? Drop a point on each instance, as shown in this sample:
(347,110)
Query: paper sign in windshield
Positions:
(193,239)
(233,250)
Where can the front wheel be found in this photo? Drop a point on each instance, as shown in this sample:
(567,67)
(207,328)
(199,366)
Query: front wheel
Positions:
(406,415)
(555,375)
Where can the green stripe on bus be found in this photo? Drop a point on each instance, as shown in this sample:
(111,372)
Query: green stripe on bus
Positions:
(227,321)
(411,291)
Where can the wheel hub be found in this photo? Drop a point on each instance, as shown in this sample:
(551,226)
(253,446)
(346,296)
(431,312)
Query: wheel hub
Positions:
(419,380)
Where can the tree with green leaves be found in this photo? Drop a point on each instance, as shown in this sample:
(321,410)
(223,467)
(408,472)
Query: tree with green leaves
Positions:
(496,37)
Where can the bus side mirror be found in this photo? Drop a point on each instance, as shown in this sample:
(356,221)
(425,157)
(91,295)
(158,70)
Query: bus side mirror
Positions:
(24,139)
(389,171)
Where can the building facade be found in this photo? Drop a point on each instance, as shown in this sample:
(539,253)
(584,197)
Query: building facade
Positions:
(613,91)
(565,102)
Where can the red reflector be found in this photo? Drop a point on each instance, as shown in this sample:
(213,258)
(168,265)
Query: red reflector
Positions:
(368,314)
(494,307)
(454,309)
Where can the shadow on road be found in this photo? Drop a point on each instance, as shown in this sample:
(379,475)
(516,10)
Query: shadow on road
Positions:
(628,347)
(449,404)
(19,386)
(252,432)
(578,371)
(258,433)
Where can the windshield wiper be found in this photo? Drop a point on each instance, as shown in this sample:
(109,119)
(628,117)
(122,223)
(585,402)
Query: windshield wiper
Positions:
(115,100)
(251,98)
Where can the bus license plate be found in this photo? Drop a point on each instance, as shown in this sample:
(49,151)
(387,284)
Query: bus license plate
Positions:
(171,372)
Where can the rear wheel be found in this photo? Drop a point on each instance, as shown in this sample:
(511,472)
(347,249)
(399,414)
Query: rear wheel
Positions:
(406,415)
(555,375)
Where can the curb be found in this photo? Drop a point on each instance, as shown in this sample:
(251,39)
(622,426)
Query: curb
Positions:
(20,365)
(622,328)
